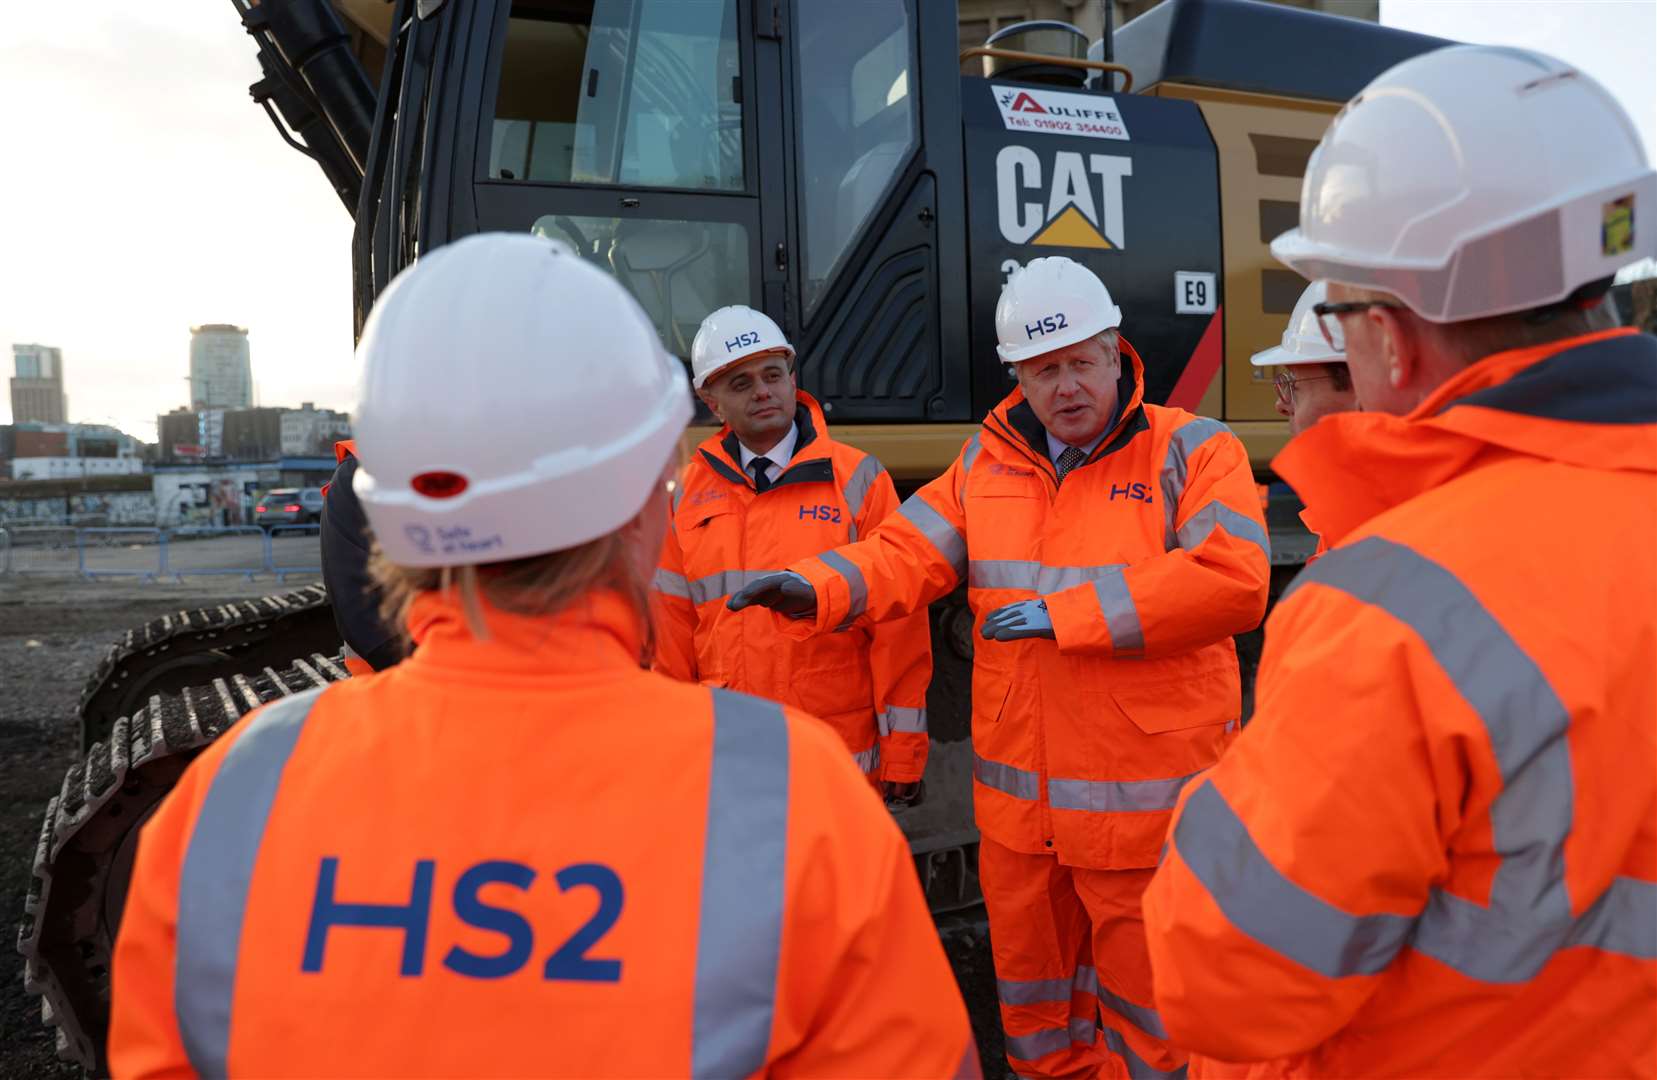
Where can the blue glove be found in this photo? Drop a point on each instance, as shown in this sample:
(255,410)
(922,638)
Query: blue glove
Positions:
(786,593)
(1024,619)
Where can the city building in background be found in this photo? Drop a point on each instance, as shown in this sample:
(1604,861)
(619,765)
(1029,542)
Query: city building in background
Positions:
(221,367)
(63,468)
(37,385)
(253,434)
(310,430)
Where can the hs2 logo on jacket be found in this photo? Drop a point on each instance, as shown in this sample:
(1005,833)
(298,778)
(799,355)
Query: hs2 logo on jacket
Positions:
(1069,200)
(821,512)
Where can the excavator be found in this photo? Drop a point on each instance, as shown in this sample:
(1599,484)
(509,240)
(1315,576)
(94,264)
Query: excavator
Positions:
(847,168)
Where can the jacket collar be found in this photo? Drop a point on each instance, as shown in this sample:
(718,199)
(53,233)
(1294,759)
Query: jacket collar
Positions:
(1589,401)
(1014,422)
(598,634)
(722,452)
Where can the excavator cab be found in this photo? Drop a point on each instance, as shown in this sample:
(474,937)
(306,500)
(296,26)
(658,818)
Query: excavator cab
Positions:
(706,153)
(836,169)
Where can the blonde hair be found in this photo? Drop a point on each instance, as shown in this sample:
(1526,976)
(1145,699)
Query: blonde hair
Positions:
(539,585)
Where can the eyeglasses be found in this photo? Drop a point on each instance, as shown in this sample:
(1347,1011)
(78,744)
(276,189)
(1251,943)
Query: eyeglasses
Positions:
(1329,317)
(1284,383)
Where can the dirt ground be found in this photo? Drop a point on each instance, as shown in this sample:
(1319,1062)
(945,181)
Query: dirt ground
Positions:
(53,632)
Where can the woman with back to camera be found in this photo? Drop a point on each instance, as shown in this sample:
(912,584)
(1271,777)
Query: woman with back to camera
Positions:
(519,852)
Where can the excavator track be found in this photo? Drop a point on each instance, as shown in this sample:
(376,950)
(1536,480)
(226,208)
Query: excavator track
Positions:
(192,648)
(83,859)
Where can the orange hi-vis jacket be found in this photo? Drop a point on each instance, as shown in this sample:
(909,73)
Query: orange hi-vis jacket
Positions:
(527,856)
(1150,556)
(1434,850)
(869,684)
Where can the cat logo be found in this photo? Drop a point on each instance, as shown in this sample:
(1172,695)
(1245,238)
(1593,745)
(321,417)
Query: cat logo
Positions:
(1083,198)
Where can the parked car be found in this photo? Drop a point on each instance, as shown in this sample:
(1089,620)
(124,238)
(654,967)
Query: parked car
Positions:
(288,506)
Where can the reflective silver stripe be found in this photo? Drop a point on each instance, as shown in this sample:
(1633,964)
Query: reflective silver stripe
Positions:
(740,935)
(1033,576)
(1121,616)
(902,720)
(868,760)
(1218,515)
(1142,1017)
(1034,991)
(1623,920)
(969,454)
(1116,796)
(668,583)
(218,868)
(1181,445)
(1529,916)
(350,653)
(858,485)
(720,585)
(1271,909)
(855,584)
(938,531)
(679,491)
(1018,783)
(1079,1032)
(1138,1067)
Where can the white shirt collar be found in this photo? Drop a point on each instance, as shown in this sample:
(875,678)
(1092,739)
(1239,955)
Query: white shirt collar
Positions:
(779,455)
(1055,446)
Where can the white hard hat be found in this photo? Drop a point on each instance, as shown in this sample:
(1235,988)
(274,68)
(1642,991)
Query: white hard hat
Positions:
(1050,303)
(514,400)
(730,335)
(1303,342)
(1474,181)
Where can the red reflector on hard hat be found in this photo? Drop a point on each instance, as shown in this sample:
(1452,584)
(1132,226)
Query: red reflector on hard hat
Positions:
(439,485)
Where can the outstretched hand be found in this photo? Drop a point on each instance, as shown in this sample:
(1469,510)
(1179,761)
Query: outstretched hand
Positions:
(786,593)
(1023,619)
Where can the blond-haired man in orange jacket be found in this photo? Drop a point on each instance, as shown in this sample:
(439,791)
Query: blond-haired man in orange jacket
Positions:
(771,487)
(1434,850)
(1110,549)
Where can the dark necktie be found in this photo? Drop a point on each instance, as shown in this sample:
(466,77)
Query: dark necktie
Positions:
(1069,459)
(762,477)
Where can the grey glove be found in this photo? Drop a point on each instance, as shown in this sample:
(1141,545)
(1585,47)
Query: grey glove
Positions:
(786,593)
(1023,619)
(900,796)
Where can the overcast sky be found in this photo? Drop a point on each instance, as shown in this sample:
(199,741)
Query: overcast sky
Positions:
(142,192)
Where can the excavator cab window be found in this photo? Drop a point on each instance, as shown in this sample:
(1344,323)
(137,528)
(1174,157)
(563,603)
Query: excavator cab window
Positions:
(618,128)
(677,270)
(641,93)
(857,121)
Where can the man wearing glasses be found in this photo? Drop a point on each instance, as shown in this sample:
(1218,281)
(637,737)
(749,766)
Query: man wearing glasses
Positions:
(1432,852)
(1312,381)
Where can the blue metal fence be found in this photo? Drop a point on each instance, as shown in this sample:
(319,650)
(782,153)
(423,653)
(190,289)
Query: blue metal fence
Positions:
(149,554)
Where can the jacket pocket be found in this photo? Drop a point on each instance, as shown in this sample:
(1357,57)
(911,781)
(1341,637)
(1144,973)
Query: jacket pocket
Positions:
(1214,696)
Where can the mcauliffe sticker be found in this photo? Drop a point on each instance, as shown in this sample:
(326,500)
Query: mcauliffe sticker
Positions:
(1056,112)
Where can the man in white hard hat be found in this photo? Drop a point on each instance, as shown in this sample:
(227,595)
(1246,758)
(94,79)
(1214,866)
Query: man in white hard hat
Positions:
(771,487)
(1434,851)
(1312,380)
(1110,549)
